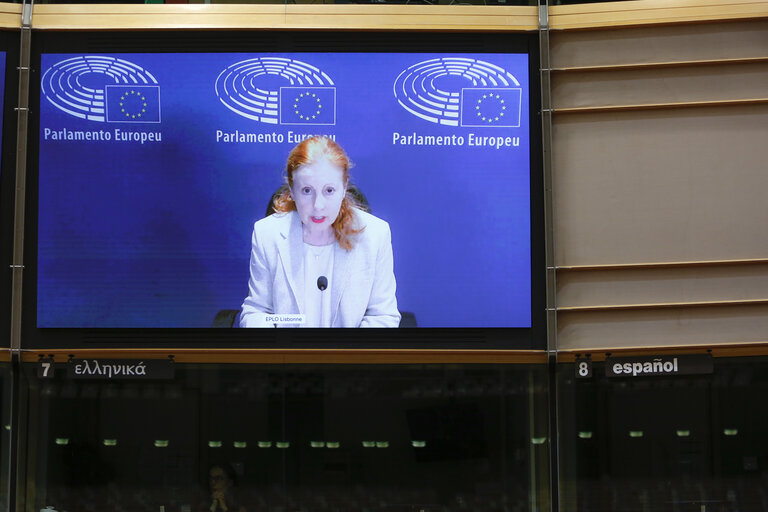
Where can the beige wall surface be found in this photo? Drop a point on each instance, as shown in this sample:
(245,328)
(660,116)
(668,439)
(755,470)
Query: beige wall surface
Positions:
(287,16)
(608,330)
(665,43)
(636,13)
(10,16)
(659,199)
(714,82)
(696,284)
(661,186)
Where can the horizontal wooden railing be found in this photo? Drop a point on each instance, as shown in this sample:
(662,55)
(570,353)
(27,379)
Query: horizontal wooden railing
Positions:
(652,12)
(301,356)
(756,348)
(298,16)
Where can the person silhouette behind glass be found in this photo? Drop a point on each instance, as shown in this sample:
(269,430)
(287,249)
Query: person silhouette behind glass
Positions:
(221,482)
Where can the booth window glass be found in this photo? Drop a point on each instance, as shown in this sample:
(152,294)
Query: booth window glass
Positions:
(694,442)
(6,390)
(298,438)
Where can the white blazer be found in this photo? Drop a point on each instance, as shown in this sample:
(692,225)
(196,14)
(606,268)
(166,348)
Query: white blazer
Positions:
(363,280)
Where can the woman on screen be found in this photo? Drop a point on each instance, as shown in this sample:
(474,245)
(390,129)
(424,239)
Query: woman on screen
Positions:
(320,261)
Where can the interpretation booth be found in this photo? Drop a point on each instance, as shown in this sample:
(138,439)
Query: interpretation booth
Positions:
(542,285)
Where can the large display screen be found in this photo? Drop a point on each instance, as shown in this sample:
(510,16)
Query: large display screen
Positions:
(154,167)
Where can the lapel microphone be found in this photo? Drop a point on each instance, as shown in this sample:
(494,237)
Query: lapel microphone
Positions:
(322,283)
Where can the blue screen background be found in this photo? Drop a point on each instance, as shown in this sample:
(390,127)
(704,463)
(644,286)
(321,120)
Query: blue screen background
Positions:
(157,234)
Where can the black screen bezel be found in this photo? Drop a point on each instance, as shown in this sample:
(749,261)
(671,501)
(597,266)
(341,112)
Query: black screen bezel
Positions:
(9,43)
(533,338)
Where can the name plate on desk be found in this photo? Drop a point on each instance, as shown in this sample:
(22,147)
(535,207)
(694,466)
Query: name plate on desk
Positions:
(654,366)
(120,369)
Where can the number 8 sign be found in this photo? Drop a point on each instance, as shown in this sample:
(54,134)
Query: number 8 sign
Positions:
(583,368)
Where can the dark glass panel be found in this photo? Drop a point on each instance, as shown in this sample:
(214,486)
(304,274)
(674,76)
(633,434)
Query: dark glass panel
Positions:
(674,443)
(6,390)
(293,438)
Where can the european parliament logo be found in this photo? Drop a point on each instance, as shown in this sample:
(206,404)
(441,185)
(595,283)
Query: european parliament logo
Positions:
(253,88)
(460,91)
(98,88)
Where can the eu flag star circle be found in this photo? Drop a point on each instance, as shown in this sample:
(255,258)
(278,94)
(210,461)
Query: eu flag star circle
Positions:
(490,108)
(133,104)
(307,106)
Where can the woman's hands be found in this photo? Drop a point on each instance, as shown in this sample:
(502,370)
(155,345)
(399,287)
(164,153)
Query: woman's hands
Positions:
(219,501)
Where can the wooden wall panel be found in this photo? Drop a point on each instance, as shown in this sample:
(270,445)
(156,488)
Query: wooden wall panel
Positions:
(283,17)
(663,327)
(661,85)
(302,356)
(10,15)
(640,192)
(661,186)
(639,286)
(652,12)
(671,43)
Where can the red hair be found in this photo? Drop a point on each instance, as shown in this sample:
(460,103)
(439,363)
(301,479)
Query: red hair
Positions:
(312,150)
